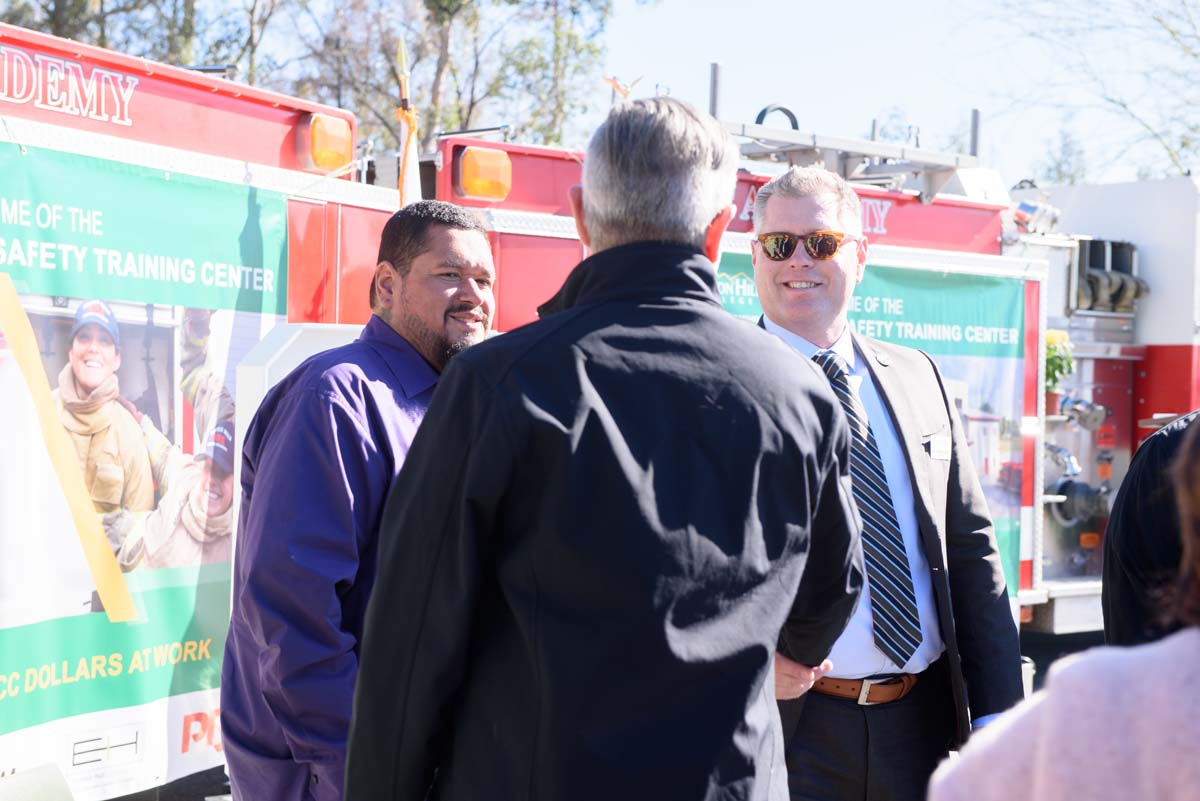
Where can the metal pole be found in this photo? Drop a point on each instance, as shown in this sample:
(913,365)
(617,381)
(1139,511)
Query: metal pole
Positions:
(714,87)
(974,132)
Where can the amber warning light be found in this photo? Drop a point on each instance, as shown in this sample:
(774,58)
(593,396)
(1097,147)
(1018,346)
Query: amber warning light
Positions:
(324,143)
(482,173)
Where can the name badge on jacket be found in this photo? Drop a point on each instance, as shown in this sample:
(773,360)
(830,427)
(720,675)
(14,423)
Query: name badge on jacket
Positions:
(939,448)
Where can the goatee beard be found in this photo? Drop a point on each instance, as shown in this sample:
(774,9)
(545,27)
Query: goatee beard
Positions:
(432,344)
(451,349)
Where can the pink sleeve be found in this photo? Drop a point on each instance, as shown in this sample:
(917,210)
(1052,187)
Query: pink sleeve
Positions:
(999,763)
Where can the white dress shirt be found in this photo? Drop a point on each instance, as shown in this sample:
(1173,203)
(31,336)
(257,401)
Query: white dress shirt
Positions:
(855,655)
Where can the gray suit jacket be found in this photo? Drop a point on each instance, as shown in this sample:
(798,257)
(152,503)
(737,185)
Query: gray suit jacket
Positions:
(955,531)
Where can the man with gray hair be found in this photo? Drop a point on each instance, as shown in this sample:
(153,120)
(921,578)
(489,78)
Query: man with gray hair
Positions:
(606,518)
(932,644)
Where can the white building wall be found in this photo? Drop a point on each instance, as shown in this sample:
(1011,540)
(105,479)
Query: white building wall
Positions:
(1162,218)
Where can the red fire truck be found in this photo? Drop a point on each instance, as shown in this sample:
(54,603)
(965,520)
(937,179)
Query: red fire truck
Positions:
(203,213)
(936,279)
(207,214)
(1122,278)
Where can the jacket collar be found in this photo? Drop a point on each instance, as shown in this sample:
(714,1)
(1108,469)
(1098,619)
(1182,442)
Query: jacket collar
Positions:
(412,372)
(638,270)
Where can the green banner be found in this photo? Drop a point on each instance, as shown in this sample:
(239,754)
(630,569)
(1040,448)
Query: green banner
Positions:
(1008,544)
(952,314)
(83,227)
(943,313)
(735,280)
(84,663)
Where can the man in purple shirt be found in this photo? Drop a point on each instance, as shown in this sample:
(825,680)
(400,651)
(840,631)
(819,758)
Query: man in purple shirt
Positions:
(318,461)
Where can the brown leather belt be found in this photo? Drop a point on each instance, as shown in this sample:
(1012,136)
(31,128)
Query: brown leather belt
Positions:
(868,691)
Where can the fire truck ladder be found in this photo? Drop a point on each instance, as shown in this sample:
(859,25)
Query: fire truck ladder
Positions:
(866,161)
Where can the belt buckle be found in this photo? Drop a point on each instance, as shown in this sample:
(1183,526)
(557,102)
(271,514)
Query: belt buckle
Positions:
(864,691)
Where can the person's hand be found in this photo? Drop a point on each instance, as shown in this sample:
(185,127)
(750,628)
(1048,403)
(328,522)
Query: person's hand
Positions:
(116,528)
(137,415)
(793,679)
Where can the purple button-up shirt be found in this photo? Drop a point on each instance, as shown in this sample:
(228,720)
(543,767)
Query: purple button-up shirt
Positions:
(318,461)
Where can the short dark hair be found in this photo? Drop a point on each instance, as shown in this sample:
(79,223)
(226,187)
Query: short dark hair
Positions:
(1186,476)
(405,235)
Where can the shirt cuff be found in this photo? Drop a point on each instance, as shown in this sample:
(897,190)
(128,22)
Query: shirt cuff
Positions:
(983,720)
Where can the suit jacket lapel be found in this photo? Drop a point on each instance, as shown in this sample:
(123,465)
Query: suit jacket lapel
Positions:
(898,399)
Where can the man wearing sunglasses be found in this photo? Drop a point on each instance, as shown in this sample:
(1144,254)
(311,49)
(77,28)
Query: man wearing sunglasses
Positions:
(932,648)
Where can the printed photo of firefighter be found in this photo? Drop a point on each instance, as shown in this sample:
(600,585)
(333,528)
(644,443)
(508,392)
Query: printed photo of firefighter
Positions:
(165,496)
(107,439)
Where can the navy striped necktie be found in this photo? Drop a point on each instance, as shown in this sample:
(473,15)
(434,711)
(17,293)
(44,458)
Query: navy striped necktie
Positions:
(893,601)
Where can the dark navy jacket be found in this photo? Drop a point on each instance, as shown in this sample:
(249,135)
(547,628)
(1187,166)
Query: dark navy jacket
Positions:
(1142,546)
(604,522)
(318,460)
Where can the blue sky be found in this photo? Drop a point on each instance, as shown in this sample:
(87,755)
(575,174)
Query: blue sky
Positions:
(837,65)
